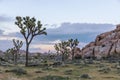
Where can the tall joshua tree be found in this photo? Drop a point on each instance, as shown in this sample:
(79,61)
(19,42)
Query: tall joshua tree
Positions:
(17,45)
(73,44)
(29,28)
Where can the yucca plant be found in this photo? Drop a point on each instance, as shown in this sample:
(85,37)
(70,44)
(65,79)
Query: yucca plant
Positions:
(29,28)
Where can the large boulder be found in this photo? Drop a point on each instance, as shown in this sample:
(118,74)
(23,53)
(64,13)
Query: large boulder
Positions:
(105,44)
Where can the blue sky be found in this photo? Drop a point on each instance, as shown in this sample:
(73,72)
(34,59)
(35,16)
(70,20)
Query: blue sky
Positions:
(57,14)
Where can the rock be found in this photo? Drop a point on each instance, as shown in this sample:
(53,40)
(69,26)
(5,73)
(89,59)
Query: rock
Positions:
(105,44)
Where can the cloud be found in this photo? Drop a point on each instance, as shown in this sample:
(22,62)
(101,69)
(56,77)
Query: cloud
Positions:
(82,31)
(1,32)
(10,38)
(78,28)
(5,18)
(118,0)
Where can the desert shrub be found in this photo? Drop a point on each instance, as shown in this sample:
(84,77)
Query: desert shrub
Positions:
(38,72)
(1,71)
(101,66)
(76,61)
(77,64)
(85,76)
(105,70)
(17,71)
(88,61)
(45,61)
(5,64)
(33,64)
(49,77)
(57,64)
(47,68)
(117,67)
(65,65)
(45,65)
(68,72)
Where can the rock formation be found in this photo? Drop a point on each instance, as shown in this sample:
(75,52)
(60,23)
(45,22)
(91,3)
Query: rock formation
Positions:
(105,44)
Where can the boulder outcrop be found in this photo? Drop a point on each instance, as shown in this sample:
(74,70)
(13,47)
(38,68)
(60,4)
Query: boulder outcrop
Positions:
(105,44)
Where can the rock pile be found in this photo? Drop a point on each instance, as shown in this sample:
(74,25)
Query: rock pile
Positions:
(105,44)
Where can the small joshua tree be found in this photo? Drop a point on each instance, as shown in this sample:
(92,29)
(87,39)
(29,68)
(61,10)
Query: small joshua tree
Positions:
(17,45)
(10,54)
(7,55)
(62,48)
(29,28)
(73,44)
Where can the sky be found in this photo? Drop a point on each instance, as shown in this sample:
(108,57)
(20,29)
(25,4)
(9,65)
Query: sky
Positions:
(64,19)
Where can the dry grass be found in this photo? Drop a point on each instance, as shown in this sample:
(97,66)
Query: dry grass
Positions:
(77,71)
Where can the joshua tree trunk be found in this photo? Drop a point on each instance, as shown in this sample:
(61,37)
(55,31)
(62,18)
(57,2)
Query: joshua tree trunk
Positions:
(62,57)
(16,57)
(27,52)
(93,54)
(72,54)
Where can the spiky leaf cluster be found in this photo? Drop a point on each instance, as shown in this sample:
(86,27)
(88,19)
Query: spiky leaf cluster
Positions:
(10,53)
(62,47)
(17,44)
(73,43)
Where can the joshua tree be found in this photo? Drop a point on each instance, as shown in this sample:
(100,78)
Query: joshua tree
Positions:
(62,48)
(29,29)
(9,54)
(17,45)
(73,44)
